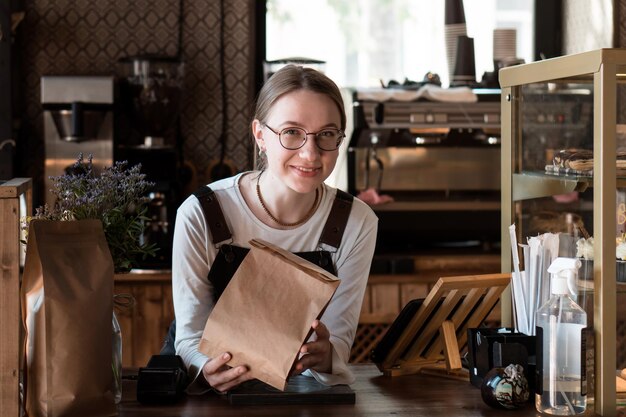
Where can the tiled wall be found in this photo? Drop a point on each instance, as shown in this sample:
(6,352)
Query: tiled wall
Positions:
(82,37)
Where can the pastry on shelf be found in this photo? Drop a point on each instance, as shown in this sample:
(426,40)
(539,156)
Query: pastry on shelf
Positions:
(566,157)
(580,162)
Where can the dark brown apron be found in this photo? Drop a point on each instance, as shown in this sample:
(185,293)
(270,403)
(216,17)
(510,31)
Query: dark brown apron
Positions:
(229,256)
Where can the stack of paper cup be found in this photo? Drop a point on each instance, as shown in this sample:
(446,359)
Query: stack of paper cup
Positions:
(504,44)
(454,27)
(452,33)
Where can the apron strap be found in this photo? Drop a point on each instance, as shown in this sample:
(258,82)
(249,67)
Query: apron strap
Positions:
(331,234)
(213,214)
(337,219)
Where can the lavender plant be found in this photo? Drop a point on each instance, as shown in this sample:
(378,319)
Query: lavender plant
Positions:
(116,197)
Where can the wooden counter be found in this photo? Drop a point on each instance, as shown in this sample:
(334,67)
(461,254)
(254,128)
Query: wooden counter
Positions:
(376,396)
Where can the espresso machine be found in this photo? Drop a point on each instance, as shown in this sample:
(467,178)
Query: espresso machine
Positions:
(77,118)
(435,167)
(147,132)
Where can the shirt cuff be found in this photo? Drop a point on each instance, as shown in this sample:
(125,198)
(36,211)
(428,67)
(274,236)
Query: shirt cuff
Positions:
(340,375)
(198,384)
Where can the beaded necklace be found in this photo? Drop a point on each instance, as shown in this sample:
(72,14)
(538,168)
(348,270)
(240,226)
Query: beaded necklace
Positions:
(274,219)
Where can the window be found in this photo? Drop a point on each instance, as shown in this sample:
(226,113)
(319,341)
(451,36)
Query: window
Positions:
(364,42)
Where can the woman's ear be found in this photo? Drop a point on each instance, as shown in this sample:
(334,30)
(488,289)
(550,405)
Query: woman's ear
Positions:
(257,131)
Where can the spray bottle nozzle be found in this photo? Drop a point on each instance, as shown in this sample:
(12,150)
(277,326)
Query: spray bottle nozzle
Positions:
(564,272)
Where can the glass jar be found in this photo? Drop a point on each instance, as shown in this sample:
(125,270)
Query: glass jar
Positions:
(116,363)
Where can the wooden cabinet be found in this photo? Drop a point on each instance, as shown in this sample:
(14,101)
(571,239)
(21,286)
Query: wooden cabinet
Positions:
(144,324)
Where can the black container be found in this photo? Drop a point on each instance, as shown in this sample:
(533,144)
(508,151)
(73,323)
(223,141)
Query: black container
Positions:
(454,12)
(162,381)
(465,64)
(497,348)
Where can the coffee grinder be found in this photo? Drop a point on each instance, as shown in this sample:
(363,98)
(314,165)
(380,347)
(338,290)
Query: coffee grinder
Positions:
(77,118)
(147,128)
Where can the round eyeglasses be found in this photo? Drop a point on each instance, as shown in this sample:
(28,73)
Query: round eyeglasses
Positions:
(293,138)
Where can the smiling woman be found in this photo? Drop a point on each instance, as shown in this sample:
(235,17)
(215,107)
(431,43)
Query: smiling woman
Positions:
(287,204)
(381,40)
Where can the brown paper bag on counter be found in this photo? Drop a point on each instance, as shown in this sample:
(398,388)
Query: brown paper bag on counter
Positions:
(67,307)
(265,313)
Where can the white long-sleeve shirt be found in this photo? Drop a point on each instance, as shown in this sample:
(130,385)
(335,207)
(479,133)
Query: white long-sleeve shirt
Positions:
(193,255)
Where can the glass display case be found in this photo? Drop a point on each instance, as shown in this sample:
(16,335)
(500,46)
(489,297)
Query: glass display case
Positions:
(564,171)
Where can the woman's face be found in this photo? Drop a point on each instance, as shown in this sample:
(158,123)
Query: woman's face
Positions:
(304,169)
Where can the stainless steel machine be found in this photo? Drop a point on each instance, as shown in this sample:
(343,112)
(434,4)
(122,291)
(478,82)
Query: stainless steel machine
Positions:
(77,117)
(439,162)
(147,131)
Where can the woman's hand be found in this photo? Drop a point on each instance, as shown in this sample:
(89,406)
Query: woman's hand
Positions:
(222,377)
(317,354)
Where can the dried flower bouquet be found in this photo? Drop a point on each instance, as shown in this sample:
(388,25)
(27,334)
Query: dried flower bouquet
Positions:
(116,197)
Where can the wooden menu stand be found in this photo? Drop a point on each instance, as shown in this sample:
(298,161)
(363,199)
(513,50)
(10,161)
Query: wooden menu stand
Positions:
(431,341)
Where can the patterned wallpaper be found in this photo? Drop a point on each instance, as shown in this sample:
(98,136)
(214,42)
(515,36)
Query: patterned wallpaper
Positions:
(81,37)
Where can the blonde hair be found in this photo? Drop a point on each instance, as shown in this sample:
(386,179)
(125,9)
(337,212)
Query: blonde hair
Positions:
(292,78)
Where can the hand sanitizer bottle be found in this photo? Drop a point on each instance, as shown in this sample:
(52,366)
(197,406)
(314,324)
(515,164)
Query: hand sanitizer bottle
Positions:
(561,377)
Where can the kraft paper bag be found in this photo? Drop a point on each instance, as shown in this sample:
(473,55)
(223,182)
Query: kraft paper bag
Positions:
(265,313)
(67,307)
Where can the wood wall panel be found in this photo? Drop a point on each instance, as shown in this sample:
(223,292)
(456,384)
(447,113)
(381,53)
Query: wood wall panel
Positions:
(145,324)
(385,299)
(410,292)
(366,307)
